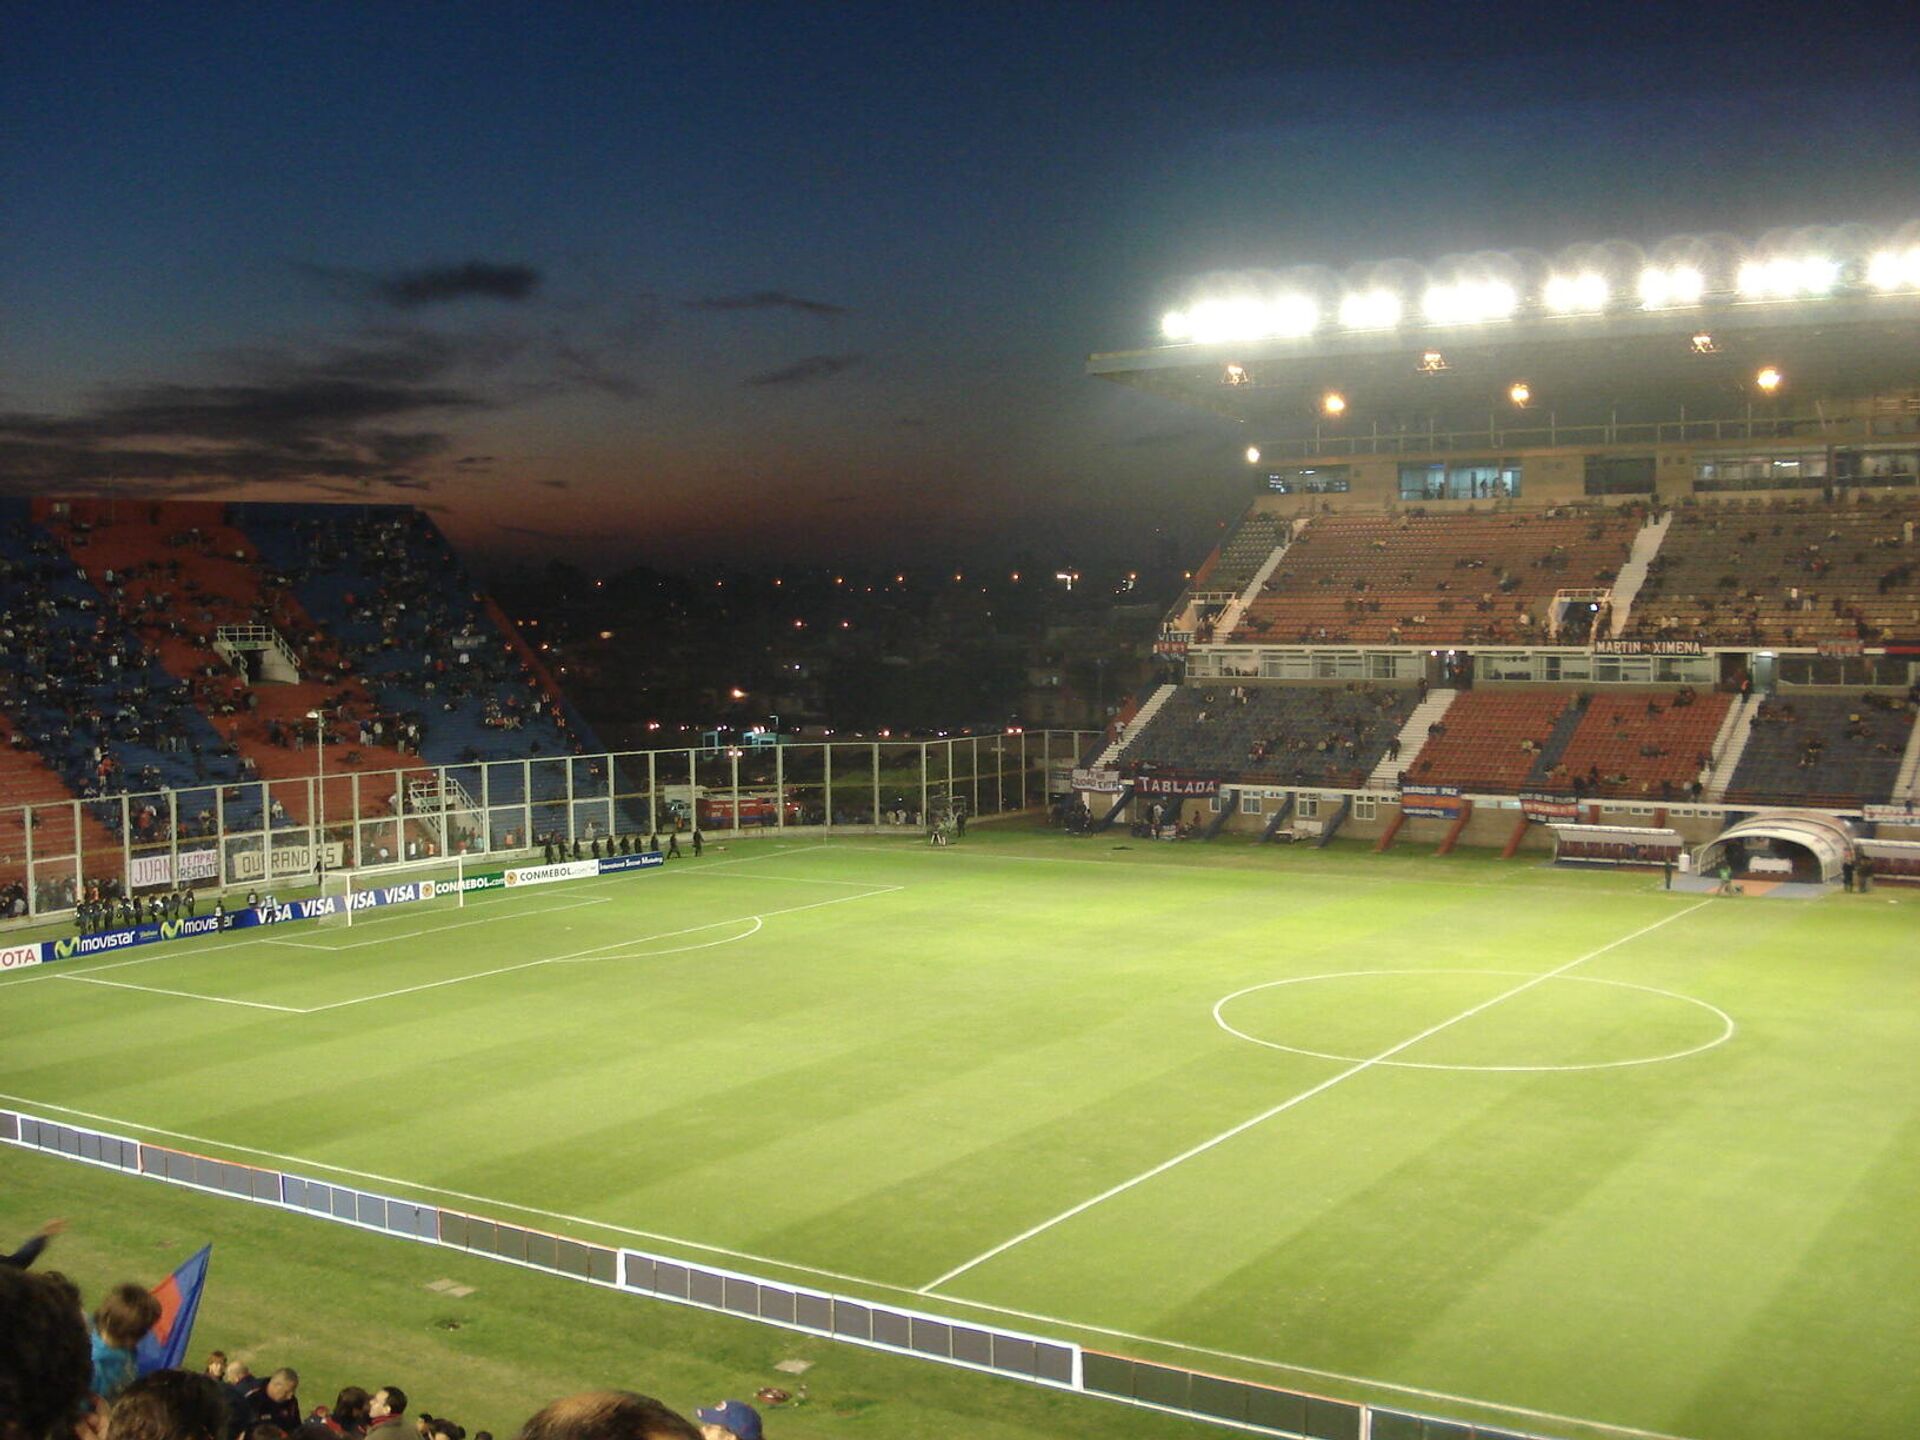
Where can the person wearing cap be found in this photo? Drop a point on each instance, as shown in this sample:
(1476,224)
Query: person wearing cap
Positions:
(729,1420)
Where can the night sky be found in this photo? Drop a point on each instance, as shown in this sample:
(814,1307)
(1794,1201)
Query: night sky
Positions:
(691,283)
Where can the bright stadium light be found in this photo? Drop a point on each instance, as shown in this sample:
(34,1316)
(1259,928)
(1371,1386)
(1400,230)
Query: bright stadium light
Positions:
(1469,302)
(1582,294)
(1895,270)
(1333,403)
(1244,317)
(1769,379)
(1787,277)
(1370,310)
(1520,393)
(1253,454)
(1668,286)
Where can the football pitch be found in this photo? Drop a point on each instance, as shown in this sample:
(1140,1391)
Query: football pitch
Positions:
(1560,1152)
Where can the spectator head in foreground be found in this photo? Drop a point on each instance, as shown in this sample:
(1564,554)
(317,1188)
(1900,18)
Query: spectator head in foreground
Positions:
(608,1415)
(127,1314)
(45,1366)
(729,1420)
(386,1407)
(349,1414)
(217,1364)
(170,1405)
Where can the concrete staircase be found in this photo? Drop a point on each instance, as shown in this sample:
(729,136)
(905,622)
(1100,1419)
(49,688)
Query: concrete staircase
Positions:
(1413,734)
(1633,574)
(1906,785)
(1231,617)
(1141,719)
(1731,743)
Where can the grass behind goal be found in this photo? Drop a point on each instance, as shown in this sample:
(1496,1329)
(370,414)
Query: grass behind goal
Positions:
(1642,1163)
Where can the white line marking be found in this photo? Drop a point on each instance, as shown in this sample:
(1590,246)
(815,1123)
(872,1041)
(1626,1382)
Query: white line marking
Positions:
(859,1280)
(386,937)
(747,934)
(182,994)
(1359,1067)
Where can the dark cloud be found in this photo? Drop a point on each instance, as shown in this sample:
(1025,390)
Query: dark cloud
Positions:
(767,300)
(429,284)
(805,370)
(557,484)
(473,280)
(474,462)
(345,413)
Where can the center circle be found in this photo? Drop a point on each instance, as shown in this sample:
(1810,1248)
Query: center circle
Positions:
(1440,997)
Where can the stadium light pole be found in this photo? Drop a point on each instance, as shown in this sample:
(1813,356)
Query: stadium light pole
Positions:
(319,718)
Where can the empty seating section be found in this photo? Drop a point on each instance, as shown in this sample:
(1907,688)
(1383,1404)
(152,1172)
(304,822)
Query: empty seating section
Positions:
(1823,750)
(1784,573)
(1245,551)
(1276,735)
(1640,745)
(1490,740)
(1435,579)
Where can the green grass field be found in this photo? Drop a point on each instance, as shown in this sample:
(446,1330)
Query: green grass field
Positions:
(1561,1152)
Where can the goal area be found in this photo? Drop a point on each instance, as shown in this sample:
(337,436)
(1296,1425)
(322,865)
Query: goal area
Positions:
(359,894)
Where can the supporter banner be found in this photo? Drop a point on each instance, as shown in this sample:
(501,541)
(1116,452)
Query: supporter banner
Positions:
(1167,785)
(1841,647)
(1170,647)
(1549,809)
(148,870)
(288,860)
(646,860)
(1431,802)
(547,874)
(200,865)
(1648,647)
(1891,814)
(1102,781)
(18,957)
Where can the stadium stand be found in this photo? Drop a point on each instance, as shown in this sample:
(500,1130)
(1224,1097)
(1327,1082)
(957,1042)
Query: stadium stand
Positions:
(1792,572)
(1492,740)
(1640,745)
(1436,579)
(1823,750)
(1325,735)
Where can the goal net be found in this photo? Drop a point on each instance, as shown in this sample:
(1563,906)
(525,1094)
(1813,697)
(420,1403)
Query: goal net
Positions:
(359,895)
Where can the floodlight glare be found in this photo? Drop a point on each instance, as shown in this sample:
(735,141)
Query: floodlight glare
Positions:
(1769,379)
(1469,302)
(1674,285)
(1787,277)
(1253,454)
(1243,317)
(1520,393)
(1895,270)
(1582,294)
(1333,403)
(1370,310)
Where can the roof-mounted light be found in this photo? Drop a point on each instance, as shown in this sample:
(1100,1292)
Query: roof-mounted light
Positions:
(1895,269)
(1243,318)
(1469,302)
(1582,294)
(1664,287)
(1787,277)
(1374,309)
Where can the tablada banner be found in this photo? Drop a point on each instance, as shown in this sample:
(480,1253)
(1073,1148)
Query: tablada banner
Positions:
(1549,809)
(1172,787)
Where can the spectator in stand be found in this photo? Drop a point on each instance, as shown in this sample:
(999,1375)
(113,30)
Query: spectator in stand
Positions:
(608,1415)
(44,1366)
(349,1415)
(389,1403)
(278,1401)
(241,1385)
(170,1405)
(729,1420)
(123,1319)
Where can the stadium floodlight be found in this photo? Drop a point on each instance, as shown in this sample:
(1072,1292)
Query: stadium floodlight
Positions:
(1370,310)
(1705,344)
(1244,317)
(1664,287)
(1769,379)
(1520,393)
(1253,454)
(1469,302)
(1895,269)
(1333,403)
(1787,277)
(1582,294)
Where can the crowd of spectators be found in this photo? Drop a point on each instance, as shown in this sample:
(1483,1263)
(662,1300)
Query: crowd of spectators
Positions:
(65,1375)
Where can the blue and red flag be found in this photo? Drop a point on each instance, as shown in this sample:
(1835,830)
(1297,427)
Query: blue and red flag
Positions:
(164,1347)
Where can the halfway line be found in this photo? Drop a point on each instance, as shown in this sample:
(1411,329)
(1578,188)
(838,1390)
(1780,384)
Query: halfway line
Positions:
(1305,1095)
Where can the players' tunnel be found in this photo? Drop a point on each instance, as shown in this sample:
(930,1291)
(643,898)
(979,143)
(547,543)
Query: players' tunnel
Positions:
(1781,844)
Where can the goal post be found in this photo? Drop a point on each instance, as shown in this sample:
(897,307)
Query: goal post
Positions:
(440,884)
